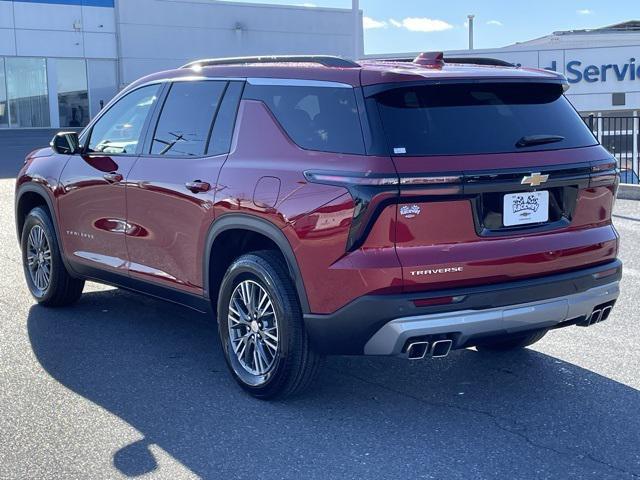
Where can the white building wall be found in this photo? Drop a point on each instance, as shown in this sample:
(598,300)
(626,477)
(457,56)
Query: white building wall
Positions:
(157,34)
(56,30)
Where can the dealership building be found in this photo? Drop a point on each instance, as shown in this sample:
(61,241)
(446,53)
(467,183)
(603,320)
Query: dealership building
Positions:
(62,60)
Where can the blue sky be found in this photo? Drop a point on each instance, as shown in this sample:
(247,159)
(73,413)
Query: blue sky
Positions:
(419,25)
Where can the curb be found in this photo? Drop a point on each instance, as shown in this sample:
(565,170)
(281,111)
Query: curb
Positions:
(627,191)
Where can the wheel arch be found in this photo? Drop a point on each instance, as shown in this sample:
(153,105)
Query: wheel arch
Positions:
(28,197)
(31,195)
(256,225)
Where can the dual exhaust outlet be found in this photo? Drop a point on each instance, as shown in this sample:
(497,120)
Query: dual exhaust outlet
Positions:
(419,349)
(598,315)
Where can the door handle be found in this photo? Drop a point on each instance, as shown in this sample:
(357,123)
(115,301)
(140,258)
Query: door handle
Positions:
(113,177)
(198,186)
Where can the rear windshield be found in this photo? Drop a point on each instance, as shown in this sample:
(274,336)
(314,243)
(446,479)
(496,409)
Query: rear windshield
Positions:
(458,119)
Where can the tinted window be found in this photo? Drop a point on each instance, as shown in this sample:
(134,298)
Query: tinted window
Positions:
(220,141)
(120,128)
(478,118)
(316,118)
(187,118)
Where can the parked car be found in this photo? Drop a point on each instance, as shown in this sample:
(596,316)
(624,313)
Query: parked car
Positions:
(321,206)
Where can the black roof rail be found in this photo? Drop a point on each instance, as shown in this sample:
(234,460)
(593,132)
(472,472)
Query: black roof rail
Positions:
(326,60)
(462,60)
(479,61)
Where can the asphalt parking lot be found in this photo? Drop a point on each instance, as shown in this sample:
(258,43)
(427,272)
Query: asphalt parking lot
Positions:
(125,386)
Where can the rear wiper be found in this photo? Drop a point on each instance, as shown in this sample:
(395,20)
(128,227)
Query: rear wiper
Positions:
(531,140)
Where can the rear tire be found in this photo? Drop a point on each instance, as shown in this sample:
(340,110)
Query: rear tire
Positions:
(512,342)
(47,278)
(261,328)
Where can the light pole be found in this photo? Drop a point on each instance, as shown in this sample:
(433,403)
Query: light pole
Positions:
(357,28)
(471,17)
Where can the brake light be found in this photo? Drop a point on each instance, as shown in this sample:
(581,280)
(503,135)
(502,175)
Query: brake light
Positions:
(604,173)
(350,179)
(372,192)
(378,180)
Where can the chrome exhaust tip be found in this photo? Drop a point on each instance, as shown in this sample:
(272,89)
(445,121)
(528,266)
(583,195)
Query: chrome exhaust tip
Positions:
(441,348)
(595,317)
(417,350)
(606,311)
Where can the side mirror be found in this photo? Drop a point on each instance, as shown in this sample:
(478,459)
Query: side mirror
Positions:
(65,143)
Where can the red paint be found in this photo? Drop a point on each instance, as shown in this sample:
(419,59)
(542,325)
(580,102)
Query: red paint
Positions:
(151,226)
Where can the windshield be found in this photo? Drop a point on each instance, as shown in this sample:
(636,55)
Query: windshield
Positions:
(468,118)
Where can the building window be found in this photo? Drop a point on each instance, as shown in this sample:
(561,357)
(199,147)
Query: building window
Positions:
(4,107)
(73,98)
(27,92)
(618,99)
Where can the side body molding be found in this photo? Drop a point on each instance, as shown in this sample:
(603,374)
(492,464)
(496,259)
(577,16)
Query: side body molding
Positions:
(240,221)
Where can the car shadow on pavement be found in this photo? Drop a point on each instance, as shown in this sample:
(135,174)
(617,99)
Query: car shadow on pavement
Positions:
(158,367)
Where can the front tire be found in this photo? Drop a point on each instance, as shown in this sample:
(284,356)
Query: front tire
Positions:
(261,328)
(47,278)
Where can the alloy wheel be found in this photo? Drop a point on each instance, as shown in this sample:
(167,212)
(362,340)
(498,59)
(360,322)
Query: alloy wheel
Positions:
(253,328)
(39,258)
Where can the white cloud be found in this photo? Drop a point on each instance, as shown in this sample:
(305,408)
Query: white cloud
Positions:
(495,23)
(369,23)
(422,24)
(585,11)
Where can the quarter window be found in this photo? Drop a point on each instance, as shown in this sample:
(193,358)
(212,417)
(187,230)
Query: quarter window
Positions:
(316,118)
(187,117)
(119,130)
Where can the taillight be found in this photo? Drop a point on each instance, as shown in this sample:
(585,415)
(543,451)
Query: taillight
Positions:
(373,192)
(604,173)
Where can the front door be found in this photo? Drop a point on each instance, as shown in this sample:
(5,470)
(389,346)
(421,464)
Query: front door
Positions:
(170,190)
(92,203)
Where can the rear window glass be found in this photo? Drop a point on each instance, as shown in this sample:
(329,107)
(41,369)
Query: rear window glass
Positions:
(460,119)
(316,118)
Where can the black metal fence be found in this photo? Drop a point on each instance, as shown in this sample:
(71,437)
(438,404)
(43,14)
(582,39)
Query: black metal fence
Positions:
(619,135)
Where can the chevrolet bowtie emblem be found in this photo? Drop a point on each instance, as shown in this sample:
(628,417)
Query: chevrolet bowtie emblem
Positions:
(535,179)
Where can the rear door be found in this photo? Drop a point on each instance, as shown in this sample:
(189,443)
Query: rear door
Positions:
(92,203)
(498,181)
(171,188)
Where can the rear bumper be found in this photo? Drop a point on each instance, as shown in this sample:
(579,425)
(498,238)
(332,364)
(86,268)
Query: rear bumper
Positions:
(382,324)
(463,326)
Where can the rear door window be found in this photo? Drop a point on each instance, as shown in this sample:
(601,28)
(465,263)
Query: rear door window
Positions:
(468,118)
(187,118)
(321,118)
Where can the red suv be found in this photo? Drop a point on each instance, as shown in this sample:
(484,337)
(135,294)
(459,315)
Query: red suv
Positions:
(322,206)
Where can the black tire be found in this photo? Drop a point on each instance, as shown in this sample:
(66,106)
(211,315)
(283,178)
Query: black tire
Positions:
(294,364)
(512,342)
(61,288)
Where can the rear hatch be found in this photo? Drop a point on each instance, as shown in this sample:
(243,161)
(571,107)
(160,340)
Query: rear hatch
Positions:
(498,181)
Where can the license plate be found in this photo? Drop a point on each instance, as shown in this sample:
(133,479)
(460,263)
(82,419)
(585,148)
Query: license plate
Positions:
(525,208)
